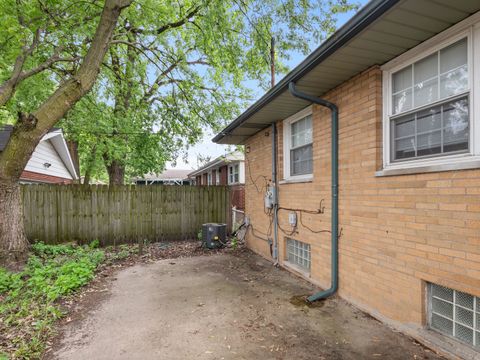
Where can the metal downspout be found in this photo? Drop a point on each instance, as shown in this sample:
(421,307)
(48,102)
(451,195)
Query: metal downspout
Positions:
(275,192)
(334,230)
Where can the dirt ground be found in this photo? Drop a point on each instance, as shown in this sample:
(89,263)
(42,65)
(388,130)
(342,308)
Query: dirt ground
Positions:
(225,306)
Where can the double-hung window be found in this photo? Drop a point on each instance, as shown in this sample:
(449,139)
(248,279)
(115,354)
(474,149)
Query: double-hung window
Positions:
(430,100)
(298,145)
(234,174)
(428,103)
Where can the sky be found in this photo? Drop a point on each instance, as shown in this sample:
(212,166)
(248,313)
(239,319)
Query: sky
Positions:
(206,147)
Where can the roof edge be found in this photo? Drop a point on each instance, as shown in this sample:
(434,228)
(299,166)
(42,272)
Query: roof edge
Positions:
(367,15)
(222,159)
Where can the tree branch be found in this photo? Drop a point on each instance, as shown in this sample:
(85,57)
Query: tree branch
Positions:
(7,89)
(194,11)
(176,24)
(26,136)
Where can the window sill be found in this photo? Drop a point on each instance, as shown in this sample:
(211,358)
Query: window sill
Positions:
(453,164)
(303,179)
(301,271)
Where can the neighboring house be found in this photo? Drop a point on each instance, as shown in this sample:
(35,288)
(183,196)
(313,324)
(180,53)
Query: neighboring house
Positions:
(168,177)
(228,170)
(50,163)
(405,76)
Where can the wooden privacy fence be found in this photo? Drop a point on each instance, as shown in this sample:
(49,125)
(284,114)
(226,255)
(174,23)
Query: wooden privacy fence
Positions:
(121,214)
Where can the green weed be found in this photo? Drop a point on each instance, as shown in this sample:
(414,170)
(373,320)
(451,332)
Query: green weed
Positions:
(29,298)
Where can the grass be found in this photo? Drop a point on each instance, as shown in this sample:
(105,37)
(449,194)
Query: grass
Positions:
(29,303)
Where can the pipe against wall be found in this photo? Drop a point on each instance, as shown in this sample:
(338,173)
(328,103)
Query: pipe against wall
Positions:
(334,156)
(275,193)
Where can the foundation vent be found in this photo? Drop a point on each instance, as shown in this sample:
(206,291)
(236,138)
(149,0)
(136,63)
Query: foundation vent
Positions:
(455,314)
(298,253)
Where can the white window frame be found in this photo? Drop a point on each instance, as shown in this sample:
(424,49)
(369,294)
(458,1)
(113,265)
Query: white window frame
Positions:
(233,169)
(217,176)
(209,178)
(287,143)
(470,29)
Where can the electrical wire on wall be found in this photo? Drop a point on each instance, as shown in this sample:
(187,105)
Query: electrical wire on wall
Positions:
(261,184)
(261,188)
(298,215)
(266,180)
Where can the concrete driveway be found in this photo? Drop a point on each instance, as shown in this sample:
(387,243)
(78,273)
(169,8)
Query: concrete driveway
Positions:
(224,307)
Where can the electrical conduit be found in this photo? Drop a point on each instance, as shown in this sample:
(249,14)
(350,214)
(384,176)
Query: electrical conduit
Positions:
(334,215)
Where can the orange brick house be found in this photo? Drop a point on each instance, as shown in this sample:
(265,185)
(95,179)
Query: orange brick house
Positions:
(393,180)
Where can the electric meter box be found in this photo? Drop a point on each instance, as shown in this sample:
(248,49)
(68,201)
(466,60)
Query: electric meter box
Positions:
(292,219)
(270,197)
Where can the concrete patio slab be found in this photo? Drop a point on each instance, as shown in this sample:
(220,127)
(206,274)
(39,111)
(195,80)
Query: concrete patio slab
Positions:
(225,307)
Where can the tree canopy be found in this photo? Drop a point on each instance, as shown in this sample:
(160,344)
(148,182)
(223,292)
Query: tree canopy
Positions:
(172,69)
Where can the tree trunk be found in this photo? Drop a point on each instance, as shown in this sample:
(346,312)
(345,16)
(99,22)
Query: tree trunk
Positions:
(72,146)
(89,168)
(13,242)
(31,128)
(116,173)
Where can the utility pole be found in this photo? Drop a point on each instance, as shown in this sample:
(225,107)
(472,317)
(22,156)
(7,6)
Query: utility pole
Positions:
(272,61)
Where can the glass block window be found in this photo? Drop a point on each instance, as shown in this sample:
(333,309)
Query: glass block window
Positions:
(430,102)
(455,313)
(298,253)
(301,154)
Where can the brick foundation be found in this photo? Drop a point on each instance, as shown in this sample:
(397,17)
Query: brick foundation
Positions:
(42,178)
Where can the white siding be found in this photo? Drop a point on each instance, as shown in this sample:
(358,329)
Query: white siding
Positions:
(242,172)
(45,153)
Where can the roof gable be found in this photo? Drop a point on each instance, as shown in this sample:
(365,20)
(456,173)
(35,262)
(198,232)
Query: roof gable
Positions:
(55,138)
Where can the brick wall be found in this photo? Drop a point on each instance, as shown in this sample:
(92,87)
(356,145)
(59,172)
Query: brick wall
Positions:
(396,232)
(42,178)
(258,170)
(237,193)
(223,175)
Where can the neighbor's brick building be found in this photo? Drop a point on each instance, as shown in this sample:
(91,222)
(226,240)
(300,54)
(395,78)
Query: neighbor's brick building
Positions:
(408,228)
(227,170)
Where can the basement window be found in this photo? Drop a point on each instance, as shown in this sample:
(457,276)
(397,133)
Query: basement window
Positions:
(298,253)
(454,313)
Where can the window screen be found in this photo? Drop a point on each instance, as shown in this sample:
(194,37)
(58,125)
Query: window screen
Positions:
(455,313)
(301,152)
(439,80)
(298,253)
